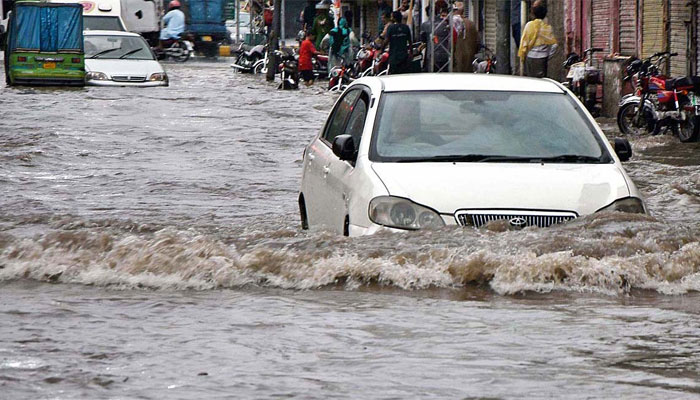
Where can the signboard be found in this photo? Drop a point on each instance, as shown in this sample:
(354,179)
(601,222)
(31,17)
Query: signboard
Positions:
(230,9)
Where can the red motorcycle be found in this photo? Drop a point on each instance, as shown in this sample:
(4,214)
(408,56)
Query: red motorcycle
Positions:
(341,76)
(380,63)
(365,60)
(659,102)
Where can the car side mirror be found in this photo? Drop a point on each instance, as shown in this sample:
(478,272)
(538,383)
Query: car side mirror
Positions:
(623,149)
(344,147)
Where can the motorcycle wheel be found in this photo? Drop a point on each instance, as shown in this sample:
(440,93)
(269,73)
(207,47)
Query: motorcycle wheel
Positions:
(625,120)
(184,54)
(687,131)
(261,68)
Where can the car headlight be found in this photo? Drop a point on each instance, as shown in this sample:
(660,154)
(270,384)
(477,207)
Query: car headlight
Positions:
(96,76)
(628,205)
(397,212)
(158,76)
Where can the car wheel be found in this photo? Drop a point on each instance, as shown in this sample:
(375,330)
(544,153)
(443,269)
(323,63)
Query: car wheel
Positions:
(302,213)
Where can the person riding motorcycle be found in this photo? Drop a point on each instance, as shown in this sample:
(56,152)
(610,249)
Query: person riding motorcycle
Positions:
(174,22)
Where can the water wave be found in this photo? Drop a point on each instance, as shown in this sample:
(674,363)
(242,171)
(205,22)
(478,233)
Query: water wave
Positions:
(608,253)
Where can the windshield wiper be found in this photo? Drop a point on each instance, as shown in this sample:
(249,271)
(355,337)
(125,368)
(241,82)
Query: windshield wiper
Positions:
(468,158)
(572,158)
(104,52)
(128,53)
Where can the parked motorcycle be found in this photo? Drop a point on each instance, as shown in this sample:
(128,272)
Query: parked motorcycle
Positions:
(179,50)
(289,70)
(584,79)
(341,76)
(251,61)
(364,60)
(484,61)
(380,63)
(320,66)
(659,102)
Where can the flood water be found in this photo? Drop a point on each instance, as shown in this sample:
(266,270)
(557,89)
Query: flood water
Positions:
(150,248)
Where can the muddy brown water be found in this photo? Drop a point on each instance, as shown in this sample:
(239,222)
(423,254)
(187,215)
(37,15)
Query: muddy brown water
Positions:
(150,248)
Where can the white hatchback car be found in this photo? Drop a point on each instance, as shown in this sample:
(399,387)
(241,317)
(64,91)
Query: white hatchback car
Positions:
(114,58)
(423,151)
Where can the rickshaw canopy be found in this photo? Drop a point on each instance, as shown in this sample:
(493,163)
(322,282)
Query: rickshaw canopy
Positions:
(47,27)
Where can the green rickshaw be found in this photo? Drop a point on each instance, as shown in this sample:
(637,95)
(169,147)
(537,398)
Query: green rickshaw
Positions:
(44,44)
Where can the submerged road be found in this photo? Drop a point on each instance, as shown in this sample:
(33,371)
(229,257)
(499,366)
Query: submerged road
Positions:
(150,248)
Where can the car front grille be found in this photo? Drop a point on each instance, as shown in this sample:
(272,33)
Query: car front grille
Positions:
(515,218)
(125,78)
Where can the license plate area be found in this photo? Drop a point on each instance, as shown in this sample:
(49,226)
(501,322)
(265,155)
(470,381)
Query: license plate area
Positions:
(206,38)
(49,65)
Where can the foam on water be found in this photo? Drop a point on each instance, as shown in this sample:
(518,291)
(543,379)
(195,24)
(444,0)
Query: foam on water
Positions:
(609,253)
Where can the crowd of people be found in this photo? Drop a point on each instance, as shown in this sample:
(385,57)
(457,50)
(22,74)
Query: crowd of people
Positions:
(399,31)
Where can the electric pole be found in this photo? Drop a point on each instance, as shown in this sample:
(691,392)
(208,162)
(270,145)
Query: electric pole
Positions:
(503,38)
(273,43)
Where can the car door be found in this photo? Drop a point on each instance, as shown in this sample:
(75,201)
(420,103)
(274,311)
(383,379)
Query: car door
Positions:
(339,180)
(319,156)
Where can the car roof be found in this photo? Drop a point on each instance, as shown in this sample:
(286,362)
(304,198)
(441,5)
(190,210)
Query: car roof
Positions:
(462,81)
(109,33)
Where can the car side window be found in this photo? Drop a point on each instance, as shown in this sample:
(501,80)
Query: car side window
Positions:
(340,115)
(356,122)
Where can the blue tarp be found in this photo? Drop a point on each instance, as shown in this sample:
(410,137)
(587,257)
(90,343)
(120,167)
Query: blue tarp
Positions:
(48,27)
(206,16)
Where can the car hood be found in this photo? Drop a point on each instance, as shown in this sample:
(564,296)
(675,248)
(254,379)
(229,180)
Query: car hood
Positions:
(124,67)
(448,187)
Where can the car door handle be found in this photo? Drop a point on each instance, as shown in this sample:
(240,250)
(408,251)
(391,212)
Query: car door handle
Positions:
(326,170)
(311,157)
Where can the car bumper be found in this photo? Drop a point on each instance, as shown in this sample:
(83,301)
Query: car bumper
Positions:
(126,84)
(357,230)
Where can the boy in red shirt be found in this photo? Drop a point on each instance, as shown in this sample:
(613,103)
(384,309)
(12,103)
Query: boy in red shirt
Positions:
(306,52)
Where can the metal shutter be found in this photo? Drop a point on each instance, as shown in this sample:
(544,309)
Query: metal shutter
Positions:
(490,23)
(678,38)
(600,27)
(652,27)
(628,27)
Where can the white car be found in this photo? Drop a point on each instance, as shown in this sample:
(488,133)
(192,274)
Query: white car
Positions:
(412,152)
(114,58)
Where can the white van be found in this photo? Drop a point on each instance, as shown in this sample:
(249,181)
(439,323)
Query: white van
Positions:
(100,14)
(143,16)
(140,16)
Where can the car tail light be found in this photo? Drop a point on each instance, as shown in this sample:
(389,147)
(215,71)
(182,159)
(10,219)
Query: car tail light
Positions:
(75,60)
(22,59)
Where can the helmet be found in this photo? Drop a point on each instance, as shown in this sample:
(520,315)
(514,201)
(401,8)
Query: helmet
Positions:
(173,4)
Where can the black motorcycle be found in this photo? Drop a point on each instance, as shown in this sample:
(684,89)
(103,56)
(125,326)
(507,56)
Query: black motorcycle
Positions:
(252,60)
(583,79)
(179,50)
(288,69)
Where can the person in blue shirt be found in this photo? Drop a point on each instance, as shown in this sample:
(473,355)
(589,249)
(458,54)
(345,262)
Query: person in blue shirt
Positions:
(174,22)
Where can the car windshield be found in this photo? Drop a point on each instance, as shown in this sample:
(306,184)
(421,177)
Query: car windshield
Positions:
(102,24)
(479,126)
(116,47)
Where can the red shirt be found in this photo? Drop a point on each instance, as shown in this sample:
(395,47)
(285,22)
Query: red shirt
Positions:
(306,51)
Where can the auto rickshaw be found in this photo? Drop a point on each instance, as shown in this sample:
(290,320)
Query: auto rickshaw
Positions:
(44,44)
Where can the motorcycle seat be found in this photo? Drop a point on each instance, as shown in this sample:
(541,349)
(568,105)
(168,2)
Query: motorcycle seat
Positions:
(686,83)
